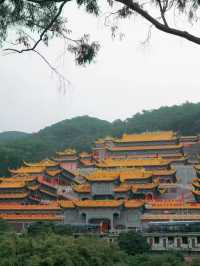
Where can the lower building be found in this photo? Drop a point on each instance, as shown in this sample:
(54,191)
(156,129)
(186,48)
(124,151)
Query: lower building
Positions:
(176,235)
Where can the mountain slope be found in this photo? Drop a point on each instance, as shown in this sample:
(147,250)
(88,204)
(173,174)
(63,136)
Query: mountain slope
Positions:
(8,136)
(80,132)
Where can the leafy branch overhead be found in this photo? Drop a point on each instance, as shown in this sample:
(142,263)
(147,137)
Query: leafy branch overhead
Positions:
(38,21)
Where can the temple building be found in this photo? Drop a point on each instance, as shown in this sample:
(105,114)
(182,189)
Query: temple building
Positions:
(196,184)
(129,184)
(110,214)
(147,164)
(150,145)
(24,189)
(22,215)
(67,159)
(51,171)
(189,140)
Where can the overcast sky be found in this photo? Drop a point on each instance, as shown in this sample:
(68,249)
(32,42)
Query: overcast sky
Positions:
(127,77)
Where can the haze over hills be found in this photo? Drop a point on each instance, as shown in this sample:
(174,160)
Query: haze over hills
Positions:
(80,132)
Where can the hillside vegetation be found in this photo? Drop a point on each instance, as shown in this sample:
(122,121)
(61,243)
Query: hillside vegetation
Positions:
(80,132)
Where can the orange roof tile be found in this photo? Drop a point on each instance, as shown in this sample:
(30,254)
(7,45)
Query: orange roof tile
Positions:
(171,204)
(84,154)
(28,170)
(133,203)
(66,204)
(31,217)
(43,163)
(102,176)
(23,178)
(134,174)
(196,192)
(67,152)
(53,172)
(13,195)
(98,203)
(196,184)
(122,188)
(16,206)
(197,167)
(164,172)
(83,188)
(148,136)
(133,162)
(170,217)
(141,148)
(146,186)
(18,184)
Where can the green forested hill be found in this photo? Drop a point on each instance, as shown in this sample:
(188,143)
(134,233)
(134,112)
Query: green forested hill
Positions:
(80,132)
(9,136)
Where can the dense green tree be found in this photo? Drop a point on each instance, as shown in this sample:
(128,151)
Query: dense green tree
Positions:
(81,132)
(132,243)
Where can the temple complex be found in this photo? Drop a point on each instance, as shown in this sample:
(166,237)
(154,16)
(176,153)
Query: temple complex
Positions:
(122,184)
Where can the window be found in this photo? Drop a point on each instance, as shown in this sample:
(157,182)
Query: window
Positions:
(185,240)
(198,239)
(156,240)
(170,240)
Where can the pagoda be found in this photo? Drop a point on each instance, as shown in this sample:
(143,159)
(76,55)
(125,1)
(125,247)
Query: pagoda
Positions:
(145,145)
(68,159)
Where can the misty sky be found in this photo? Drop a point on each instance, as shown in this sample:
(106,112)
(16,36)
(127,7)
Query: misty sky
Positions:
(126,78)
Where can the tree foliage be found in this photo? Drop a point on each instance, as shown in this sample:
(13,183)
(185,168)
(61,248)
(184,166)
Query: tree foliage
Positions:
(31,22)
(133,243)
(49,248)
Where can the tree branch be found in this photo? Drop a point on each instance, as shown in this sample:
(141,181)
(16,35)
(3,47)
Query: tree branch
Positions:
(162,12)
(42,33)
(162,27)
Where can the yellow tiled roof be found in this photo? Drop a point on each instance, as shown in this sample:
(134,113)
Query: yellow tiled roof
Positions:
(102,176)
(98,203)
(196,192)
(171,217)
(67,152)
(31,217)
(53,172)
(147,186)
(135,187)
(164,172)
(172,204)
(43,163)
(84,154)
(197,167)
(133,203)
(16,206)
(196,184)
(132,162)
(66,204)
(28,170)
(83,188)
(141,148)
(101,203)
(122,188)
(13,195)
(18,184)
(24,178)
(134,174)
(148,136)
